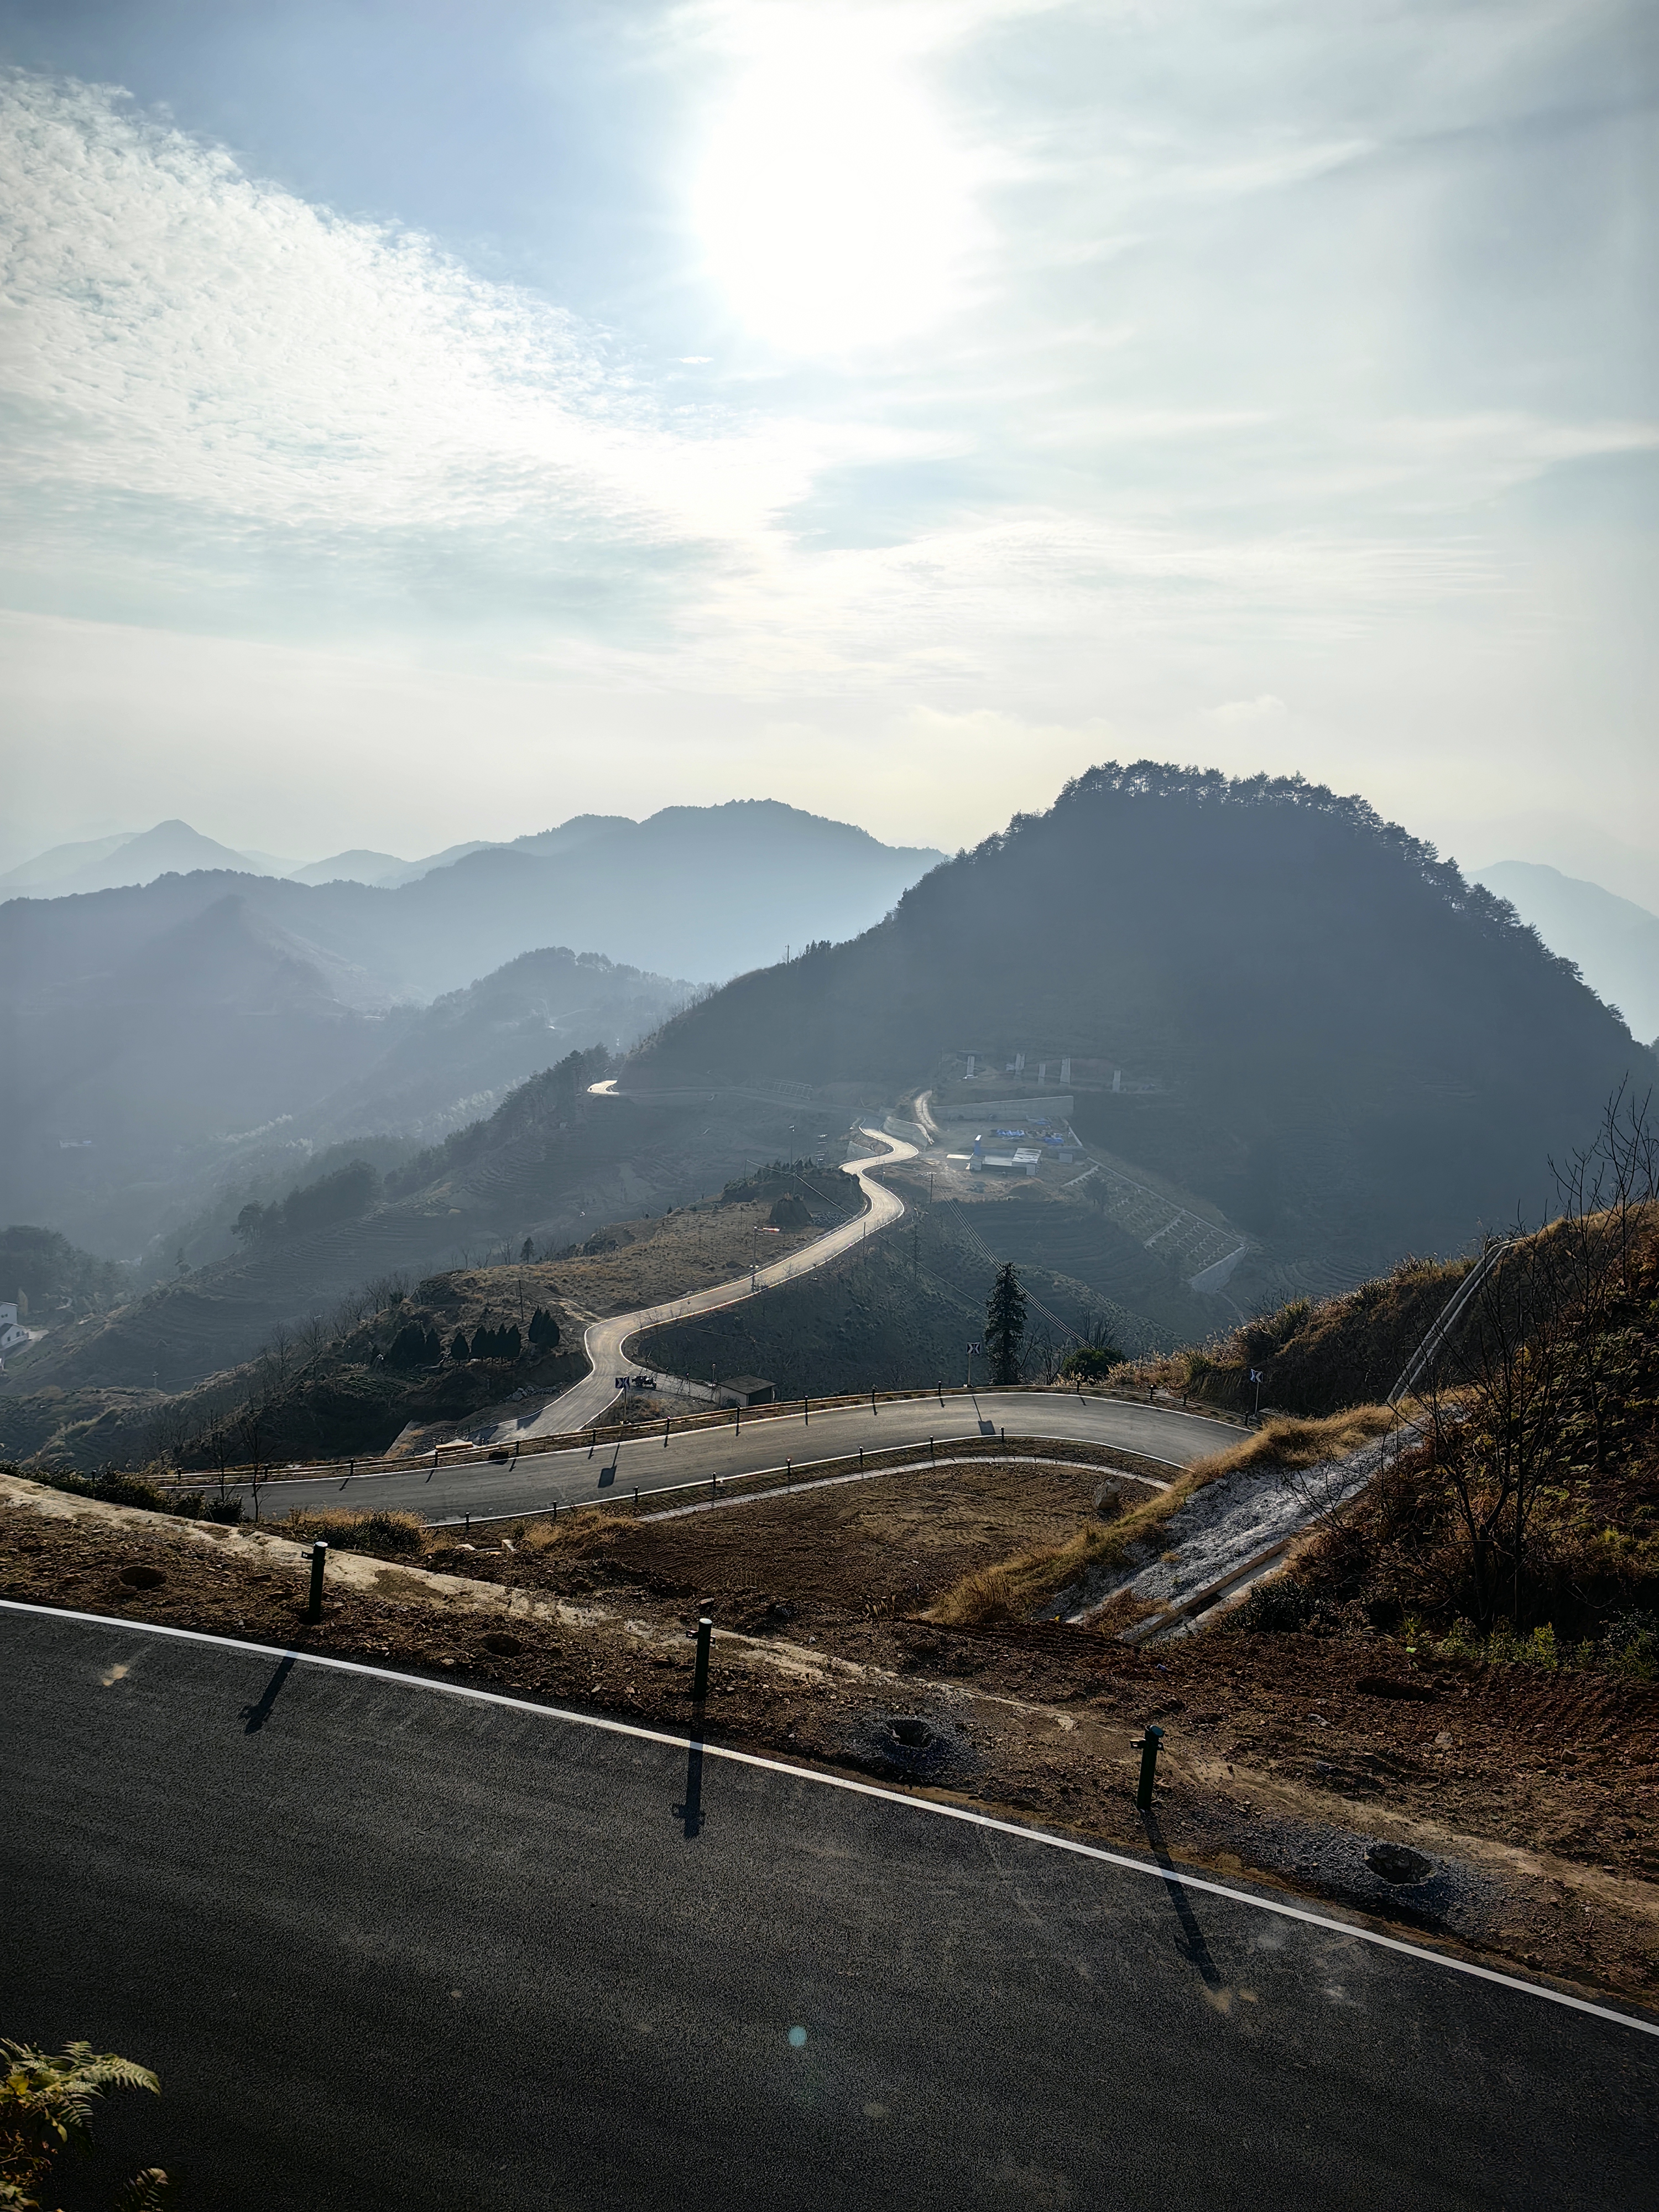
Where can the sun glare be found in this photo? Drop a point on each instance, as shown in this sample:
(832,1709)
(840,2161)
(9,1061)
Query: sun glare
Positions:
(832,207)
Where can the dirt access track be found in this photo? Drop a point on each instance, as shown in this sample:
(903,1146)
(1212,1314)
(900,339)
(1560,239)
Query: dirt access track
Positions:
(1534,1797)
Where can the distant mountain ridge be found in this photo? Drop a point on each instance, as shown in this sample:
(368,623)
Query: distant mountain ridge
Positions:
(1614,942)
(134,859)
(107,863)
(699,892)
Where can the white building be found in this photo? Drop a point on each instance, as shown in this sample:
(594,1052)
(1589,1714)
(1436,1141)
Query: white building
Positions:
(12,1331)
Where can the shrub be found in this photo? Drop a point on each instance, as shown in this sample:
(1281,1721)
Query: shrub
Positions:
(1090,1362)
(386,1529)
(1630,1644)
(129,1490)
(408,1347)
(1280,1606)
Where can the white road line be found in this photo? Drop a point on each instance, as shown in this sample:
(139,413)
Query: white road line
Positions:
(958,1813)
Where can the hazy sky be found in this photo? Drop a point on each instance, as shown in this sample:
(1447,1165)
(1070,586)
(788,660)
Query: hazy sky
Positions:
(425,421)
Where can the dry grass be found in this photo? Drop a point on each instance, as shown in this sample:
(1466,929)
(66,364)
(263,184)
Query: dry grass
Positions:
(572,1532)
(386,1530)
(1286,1442)
(1013,1588)
(668,1256)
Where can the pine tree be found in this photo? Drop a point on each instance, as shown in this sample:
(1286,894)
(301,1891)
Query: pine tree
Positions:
(1005,1325)
(408,1347)
(460,1349)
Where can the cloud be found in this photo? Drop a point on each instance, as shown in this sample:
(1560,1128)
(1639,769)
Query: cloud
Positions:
(201,365)
(1248,713)
(1273,346)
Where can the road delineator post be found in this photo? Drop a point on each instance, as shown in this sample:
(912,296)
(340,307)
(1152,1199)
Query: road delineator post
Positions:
(700,1672)
(319,1562)
(1147,1746)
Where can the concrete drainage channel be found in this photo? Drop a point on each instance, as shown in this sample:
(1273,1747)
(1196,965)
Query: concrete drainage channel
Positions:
(1231,1535)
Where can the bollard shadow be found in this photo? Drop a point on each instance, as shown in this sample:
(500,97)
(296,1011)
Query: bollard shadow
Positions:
(1190,1943)
(690,1814)
(256,1716)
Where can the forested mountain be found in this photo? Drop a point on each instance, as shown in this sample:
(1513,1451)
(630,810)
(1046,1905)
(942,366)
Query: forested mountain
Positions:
(1318,1024)
(549,1163)
(227,1049)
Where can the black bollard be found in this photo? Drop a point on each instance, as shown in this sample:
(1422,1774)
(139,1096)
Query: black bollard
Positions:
(700,1673)
(319,1561)
(1147,1746)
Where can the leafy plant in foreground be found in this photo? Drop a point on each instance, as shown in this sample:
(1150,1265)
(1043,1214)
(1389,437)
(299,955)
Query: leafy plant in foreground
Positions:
(45,2105)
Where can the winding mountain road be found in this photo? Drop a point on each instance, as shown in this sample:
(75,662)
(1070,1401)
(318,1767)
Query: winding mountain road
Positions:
(581,1476)
(605,1342)
(391,1943)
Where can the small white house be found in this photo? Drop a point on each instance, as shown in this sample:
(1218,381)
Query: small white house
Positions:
(11,1329)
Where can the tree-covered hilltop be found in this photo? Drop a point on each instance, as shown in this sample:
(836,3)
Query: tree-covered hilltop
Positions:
(1324,1027)
(52,1276)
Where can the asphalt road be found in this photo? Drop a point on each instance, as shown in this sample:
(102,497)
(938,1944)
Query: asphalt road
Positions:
(392,1947)
(578,1477)
(604,1341)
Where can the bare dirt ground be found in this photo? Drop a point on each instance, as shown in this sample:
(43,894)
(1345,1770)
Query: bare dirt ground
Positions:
(1535,1796)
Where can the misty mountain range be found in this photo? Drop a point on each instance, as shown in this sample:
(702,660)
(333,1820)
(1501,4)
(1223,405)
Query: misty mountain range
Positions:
(1615,941)
(1327,1034)
(209,1024)
(174,848)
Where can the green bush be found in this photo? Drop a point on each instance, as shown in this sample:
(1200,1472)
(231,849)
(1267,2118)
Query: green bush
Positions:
(1630,1644)
(1090,1362)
